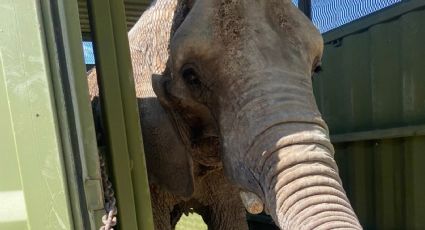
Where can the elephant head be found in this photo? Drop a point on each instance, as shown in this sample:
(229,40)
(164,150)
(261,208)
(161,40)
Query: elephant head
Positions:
(238,86)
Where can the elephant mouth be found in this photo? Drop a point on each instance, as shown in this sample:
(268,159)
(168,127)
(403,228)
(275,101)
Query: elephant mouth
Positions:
(200,138)
(206,151)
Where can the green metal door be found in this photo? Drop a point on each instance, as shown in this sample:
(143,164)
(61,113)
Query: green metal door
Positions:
(50,164)
(33,190)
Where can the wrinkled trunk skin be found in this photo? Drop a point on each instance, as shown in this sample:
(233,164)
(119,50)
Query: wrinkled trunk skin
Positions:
(305,190)
(300,180)
(286,157)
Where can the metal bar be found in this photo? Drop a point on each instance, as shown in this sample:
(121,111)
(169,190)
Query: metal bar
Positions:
(75,184)
(75,119)
(305,6)
(131,114)
(380,134)
(113,112)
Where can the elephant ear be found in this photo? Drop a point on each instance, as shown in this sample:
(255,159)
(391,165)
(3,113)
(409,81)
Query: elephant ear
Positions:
(169,163)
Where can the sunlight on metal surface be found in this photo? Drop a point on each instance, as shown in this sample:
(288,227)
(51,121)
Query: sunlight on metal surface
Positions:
(13,206)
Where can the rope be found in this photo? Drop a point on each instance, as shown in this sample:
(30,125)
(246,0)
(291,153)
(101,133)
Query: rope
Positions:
(109,220)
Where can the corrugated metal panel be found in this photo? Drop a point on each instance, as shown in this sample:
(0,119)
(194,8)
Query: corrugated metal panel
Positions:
(330,14)
(133,10)
(373,79)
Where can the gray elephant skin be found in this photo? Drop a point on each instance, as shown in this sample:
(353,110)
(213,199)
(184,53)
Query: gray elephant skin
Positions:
(226,102)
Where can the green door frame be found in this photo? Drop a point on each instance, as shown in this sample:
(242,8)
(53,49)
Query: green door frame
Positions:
(120,113)
(33,130)
(63,40)
(48,136)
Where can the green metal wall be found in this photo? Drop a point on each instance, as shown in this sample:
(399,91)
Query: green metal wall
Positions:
(33,189)
(372,95)
(49,165)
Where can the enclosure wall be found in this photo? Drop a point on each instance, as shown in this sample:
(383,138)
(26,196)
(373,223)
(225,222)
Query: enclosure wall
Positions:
(372,95)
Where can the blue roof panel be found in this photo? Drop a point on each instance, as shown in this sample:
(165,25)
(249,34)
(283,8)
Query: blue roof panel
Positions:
(330,14)
(88,53)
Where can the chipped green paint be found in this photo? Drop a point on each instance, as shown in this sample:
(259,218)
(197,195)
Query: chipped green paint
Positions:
(13,212)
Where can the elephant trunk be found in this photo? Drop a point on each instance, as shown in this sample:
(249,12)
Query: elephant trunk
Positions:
(300,181)
(284,154)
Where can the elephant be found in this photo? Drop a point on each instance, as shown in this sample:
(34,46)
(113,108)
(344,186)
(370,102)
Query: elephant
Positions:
(228,115)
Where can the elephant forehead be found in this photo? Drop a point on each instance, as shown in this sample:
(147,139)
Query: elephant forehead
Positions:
(234,17)
(229,22)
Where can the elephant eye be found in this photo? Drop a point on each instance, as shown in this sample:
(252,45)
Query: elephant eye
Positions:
(316,70)
(318,67)
(190,76)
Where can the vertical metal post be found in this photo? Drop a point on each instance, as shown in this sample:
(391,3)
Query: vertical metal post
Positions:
(305,6)
(63,39)
(120,113)
(132,120)
(113,117)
